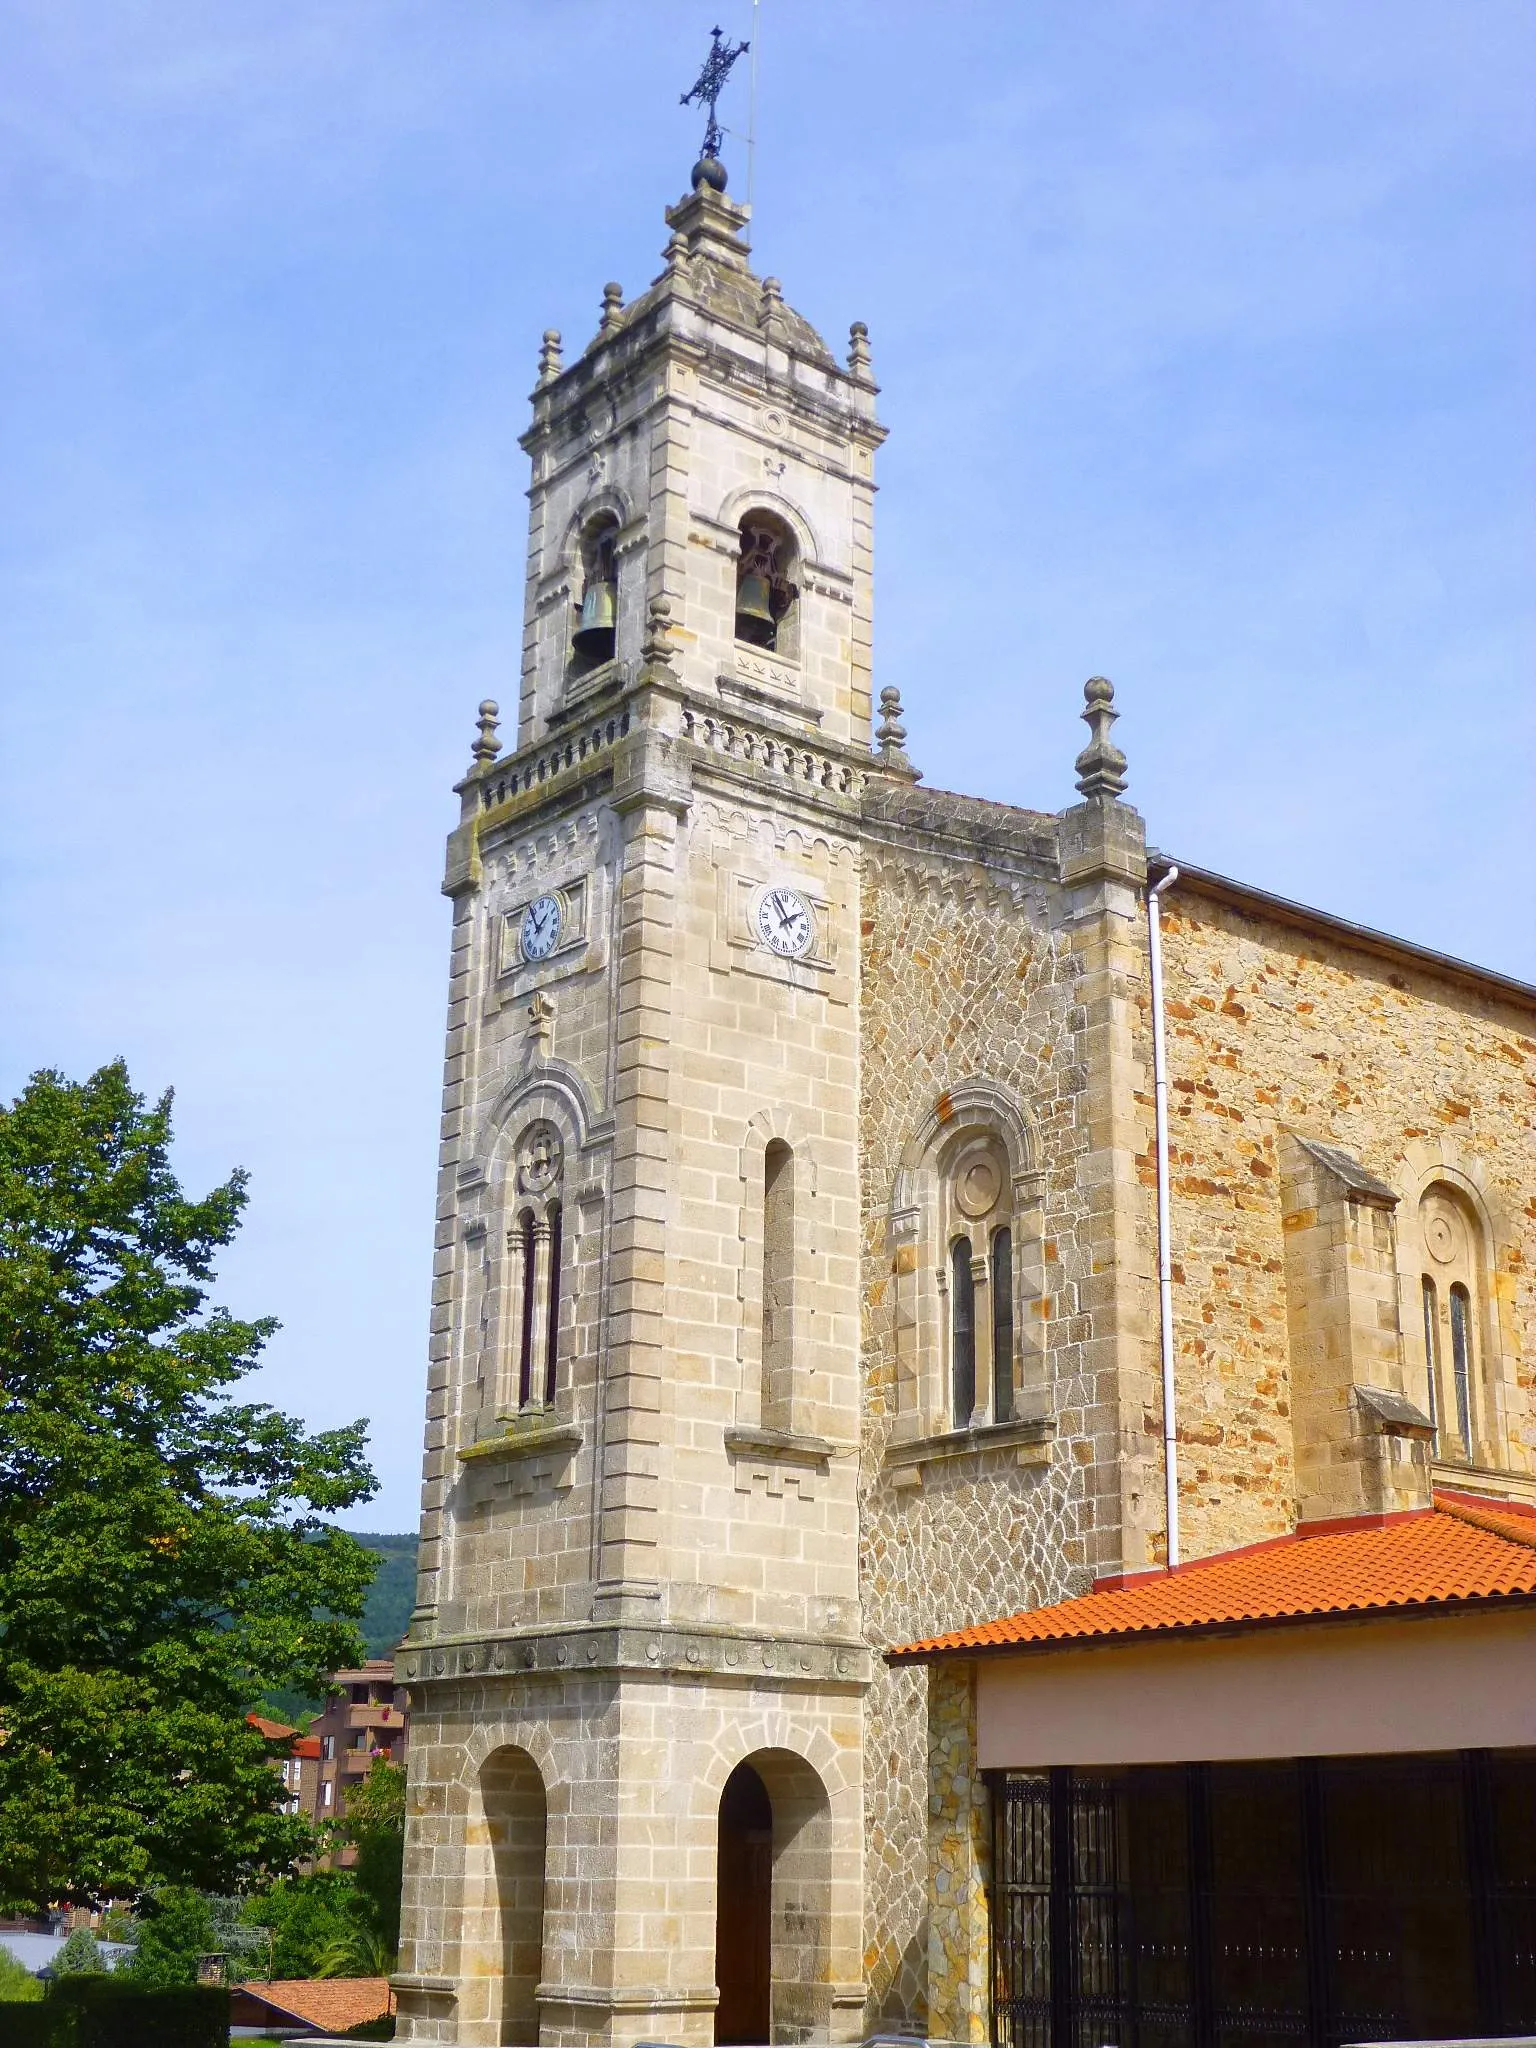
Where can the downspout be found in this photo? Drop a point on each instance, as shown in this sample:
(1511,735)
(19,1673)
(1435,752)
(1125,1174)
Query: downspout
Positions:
(1164,1246)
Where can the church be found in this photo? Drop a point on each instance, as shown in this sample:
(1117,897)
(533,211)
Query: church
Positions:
(980,1473)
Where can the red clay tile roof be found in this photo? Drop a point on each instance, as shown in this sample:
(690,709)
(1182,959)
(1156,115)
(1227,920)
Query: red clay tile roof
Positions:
(274,1731)
(331,2003)
(307,1745)
(1462,1551)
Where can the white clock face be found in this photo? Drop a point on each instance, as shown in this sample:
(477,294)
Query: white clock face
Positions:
(541,928)
(784,923)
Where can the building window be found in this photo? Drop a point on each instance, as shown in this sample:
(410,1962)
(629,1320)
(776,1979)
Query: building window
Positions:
(552,1316)
(1432,1354)
(767,600)
(533,1282)
(325,1793)
(328,1747)
(527,1249)
(1002,1325)
(778,1284)
(962,1325)
(1463,1401)
(1461,1363)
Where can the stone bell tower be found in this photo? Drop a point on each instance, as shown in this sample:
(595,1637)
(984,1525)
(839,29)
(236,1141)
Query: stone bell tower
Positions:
(636,1665)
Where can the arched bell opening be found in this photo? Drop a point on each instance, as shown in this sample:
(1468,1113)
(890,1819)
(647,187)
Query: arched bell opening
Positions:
(597,617)
(767,597)
(516,1826)
(773,1902)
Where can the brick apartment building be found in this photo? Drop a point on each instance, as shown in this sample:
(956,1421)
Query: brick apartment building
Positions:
(364,1721)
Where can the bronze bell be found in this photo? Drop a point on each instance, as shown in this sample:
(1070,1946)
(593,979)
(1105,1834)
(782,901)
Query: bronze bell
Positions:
(593,637)
(755,619)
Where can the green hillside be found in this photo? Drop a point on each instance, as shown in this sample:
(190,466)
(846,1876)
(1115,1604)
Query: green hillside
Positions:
(393,1592)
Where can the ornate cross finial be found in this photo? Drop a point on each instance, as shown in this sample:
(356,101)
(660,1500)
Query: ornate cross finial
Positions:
(707,88)
(487,746)
(1101,765)
(550,364)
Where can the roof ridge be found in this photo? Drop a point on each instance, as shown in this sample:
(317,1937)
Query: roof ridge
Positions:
(1490,1521)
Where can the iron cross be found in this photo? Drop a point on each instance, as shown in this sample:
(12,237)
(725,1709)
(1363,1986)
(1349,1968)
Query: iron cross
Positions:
(709,84)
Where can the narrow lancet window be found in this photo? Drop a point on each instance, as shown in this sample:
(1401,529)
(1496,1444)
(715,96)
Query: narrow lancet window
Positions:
(525,1335)
(1461,1363)
(552,1326)
(778,1283)
(1432,1355)
(962,1323)
(1002,1325)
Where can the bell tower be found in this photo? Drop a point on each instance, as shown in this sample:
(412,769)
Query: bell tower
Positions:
(637,1665)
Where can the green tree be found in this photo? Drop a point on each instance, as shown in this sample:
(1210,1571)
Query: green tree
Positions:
(304,1918)
(375,1823)
(18,1986)
(80,1956)
(164,1557)
(176,1928)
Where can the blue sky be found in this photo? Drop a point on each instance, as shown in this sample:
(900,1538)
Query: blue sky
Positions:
(1206,341)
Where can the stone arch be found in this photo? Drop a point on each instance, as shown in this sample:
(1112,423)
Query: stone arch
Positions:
(502,1925)
(788,1892)
(611,501)
(552,1090)
(757,497)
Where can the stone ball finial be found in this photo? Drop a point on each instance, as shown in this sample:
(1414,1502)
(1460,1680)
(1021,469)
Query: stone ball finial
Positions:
(1101,765)
(709,171)
(657,650)
(891,736)
(613,307)
(858,349)
(550,364)
(487,746)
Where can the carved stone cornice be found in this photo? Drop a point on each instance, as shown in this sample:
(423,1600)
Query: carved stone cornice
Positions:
(626,1650)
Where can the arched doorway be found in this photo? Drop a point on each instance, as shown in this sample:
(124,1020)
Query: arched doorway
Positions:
(744,1910)
(773,1902)
(515,1823)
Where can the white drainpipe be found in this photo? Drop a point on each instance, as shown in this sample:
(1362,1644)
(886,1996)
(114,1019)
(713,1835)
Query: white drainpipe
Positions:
(1164,1249)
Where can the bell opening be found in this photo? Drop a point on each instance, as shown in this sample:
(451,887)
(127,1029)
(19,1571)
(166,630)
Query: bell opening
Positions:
(594,640)
(765,596)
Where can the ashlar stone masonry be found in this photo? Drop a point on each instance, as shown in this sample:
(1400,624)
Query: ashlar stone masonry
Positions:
(796,1245)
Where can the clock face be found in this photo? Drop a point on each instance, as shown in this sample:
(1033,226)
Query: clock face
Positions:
(541,928)
(784,923)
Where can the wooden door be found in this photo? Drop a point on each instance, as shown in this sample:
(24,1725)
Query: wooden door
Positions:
(744,1910)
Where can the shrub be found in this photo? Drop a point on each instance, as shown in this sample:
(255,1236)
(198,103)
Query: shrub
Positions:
(18,1986)
(109,2012)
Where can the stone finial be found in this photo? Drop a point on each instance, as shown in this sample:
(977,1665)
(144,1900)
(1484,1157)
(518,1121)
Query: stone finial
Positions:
(487,746)
(1101,765)
(550,364)
(770,305)
(676,257)
(891,735)
(541,1025)
(858,350)
(657,648)
(613,308)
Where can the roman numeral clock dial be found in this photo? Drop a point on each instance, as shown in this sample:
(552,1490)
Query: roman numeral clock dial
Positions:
(540,928)
(784,924)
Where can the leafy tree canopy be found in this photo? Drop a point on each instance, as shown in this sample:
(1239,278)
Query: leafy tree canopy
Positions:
(306,1920)
(375,1824)
(80,1956)
(18,1986)
(164,1558)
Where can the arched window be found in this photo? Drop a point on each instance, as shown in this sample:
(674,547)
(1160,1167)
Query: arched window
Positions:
(597,616)
(1461,1363)
(527,1249)
(1432,1353)
(552,1319)
(1463,1404)
(1002,1325)
(767,600)
(962,1328)
(778,1283)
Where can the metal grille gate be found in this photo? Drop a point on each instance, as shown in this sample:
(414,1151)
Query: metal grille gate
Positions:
(1266,1905)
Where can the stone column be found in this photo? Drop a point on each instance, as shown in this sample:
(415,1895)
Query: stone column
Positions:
(959,1862)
